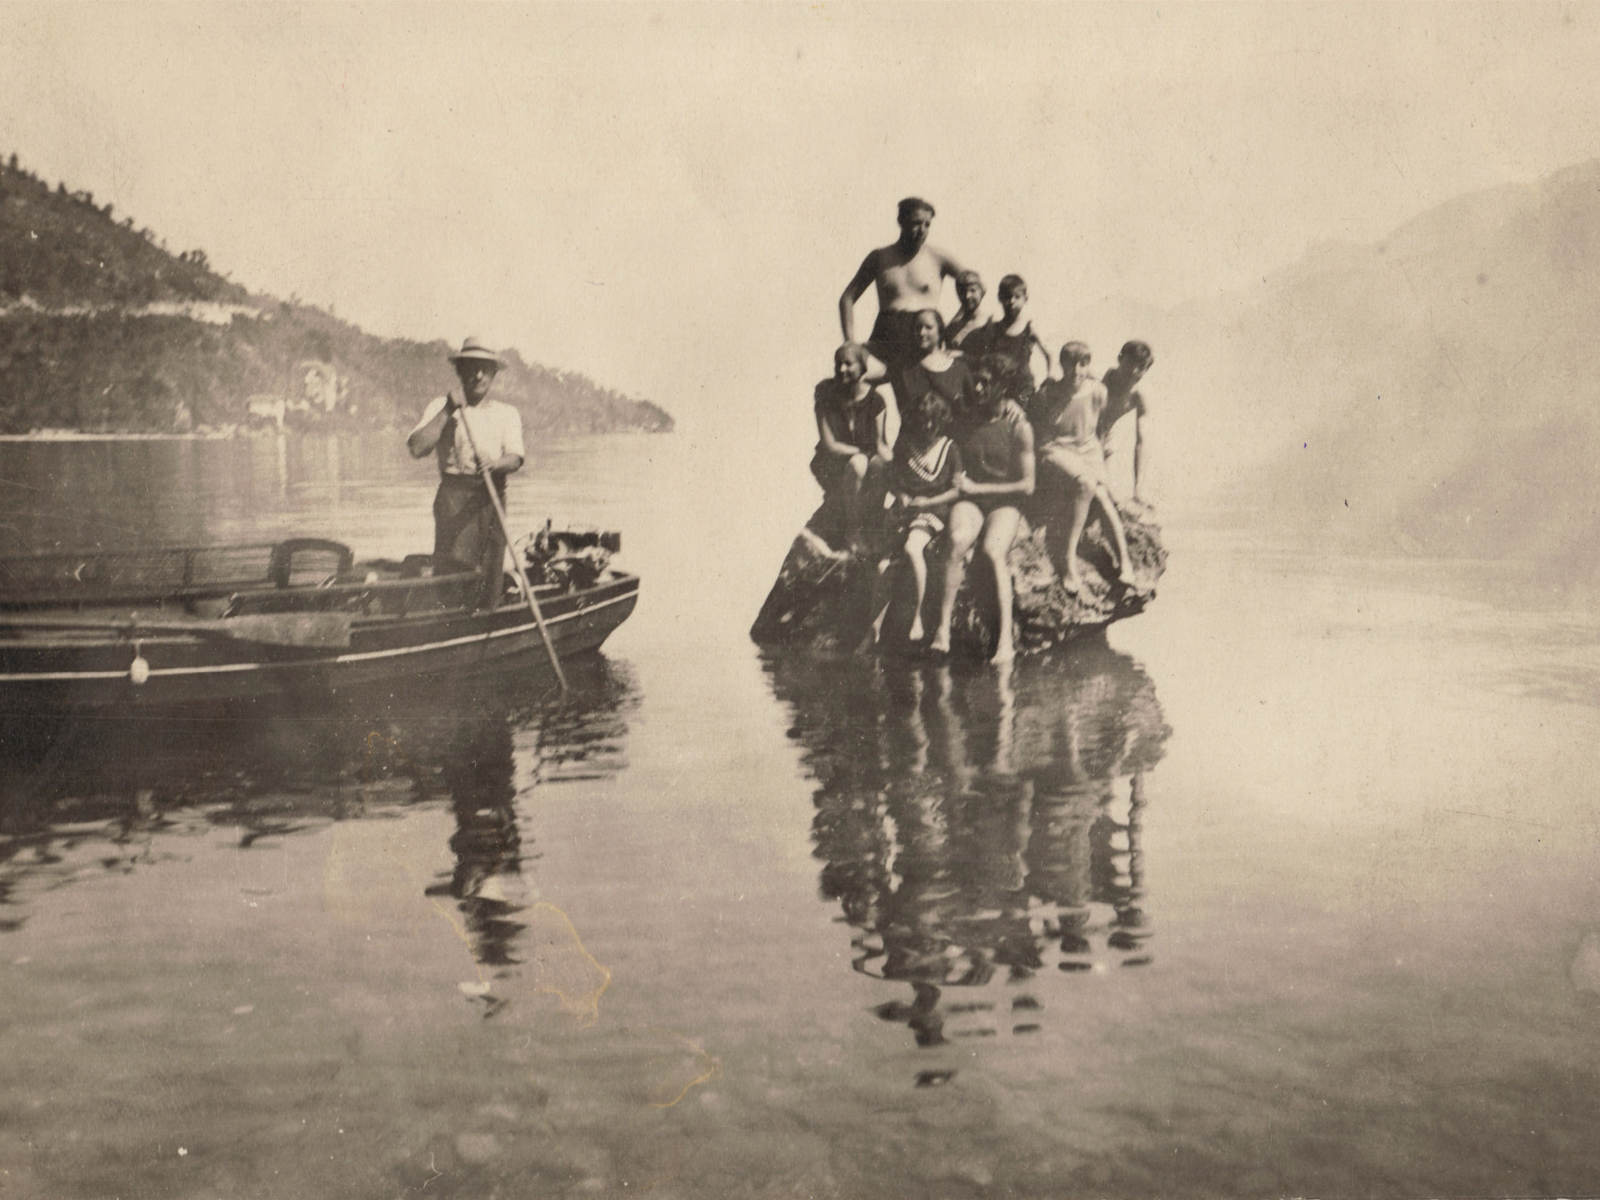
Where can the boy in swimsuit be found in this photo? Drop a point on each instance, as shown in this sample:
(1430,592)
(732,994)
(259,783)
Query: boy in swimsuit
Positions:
(1071,462)
(1124,395)
(998,471)
(852,441)
(922,480)
(1012,336)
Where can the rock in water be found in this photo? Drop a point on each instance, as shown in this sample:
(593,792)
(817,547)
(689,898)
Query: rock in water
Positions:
(824,602)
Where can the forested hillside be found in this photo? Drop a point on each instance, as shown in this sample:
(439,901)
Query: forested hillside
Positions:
(103,328)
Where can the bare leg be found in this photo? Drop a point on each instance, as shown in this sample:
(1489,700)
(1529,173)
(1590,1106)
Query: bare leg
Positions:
(999,531)
(853,498)
(1118,535)
(870,502)
(966,522)
(916,554)
(1082,497)
(1050,498)
(880,604)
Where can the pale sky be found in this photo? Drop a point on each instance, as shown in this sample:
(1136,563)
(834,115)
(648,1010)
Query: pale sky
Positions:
(669,198)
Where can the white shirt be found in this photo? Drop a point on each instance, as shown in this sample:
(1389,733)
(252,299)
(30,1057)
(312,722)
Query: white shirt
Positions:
(496,429)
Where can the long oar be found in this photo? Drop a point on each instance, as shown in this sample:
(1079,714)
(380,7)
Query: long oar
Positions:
(516,563)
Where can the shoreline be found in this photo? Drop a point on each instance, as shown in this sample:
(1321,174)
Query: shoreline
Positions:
(234,435)
(74,435)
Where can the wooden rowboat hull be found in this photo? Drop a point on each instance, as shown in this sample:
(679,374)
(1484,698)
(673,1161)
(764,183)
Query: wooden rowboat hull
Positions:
(85,672)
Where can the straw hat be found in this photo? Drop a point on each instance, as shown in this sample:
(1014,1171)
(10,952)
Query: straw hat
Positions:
(474,350)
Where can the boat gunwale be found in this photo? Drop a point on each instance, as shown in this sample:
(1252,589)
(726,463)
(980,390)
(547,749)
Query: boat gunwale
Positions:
(124,626)
(623,586)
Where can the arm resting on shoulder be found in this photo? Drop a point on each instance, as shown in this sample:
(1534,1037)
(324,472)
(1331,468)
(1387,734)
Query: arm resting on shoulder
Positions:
(859,282)
(948,265)
(1052,369)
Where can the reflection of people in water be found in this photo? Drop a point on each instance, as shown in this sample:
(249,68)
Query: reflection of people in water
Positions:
(985,828)
(486,883)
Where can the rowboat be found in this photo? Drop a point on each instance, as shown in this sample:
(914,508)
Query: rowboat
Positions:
(145,630)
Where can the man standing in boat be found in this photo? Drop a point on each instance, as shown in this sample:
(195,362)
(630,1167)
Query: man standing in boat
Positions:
(909,276)
(466,534)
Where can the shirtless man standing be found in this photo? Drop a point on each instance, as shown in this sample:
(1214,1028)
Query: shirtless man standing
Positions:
(1124,396)
(909,276)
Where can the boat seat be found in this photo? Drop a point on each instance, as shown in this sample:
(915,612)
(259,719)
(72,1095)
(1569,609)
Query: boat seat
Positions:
(146,576)
(393,597)
(308,560)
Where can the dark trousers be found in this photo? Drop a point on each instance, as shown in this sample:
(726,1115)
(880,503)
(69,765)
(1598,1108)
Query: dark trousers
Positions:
(466,535)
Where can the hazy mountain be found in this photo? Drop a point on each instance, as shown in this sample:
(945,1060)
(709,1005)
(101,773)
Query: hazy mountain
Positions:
(102,328)
(1434,392)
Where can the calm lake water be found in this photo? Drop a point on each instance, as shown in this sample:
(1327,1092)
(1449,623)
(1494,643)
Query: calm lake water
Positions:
(1290,888)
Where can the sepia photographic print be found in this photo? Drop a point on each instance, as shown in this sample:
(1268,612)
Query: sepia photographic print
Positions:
(831,601)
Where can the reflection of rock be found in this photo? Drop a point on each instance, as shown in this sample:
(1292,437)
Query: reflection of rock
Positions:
(825,603)
(980,832)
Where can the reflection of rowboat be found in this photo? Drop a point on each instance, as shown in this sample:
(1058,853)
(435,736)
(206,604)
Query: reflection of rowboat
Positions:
(164,628)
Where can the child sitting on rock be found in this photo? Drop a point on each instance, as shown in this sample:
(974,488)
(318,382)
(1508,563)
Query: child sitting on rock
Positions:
(922,482)
(998,472)
(852,443)
(1072,471)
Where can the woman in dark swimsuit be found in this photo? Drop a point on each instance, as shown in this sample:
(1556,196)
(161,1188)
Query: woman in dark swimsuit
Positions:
(937,371)
(969,321)
(852,445)
(998,471)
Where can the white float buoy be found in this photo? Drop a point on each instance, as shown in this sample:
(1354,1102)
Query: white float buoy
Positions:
(139,669)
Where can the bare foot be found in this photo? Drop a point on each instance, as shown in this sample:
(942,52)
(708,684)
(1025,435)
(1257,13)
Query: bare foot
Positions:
(1071,583)
(1128,580)
(940,646)
(916,633)
(1003,653)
